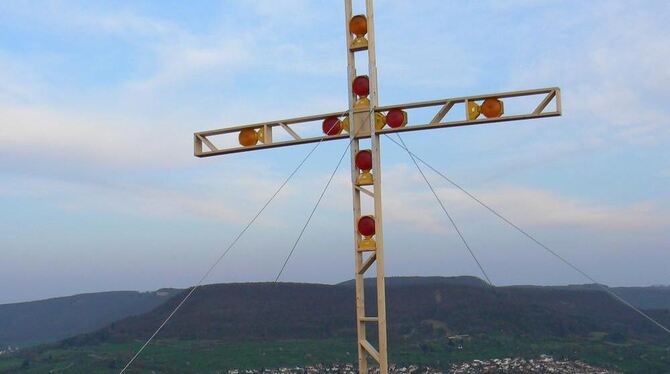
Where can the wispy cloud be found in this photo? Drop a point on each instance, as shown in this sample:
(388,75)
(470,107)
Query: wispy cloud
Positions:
(44,135)
(409,201)
(612,75)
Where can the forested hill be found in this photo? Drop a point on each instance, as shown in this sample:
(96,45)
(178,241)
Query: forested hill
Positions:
(463,280)
(41,321)
(324,309)
(415,310)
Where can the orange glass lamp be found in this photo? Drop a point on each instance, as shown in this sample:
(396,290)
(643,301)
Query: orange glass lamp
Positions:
(361,87)
(248,137)
(492,108)
(363,162)
(366,227)
(358,25)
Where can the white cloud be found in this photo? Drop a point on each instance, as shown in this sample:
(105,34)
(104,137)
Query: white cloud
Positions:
(49,136)
(181,61)
(231,198)
(408,201)
(69,17)
(614,77)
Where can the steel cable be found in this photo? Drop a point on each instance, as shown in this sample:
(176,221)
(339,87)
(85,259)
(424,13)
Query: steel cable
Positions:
(444,209)
(323,192)
(230,246)
(536,241)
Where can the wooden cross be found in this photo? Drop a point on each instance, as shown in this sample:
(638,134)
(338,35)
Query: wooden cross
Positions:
(363,124)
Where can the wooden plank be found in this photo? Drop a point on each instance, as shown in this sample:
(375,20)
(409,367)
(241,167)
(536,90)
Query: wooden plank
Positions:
(480,121)
(197,145)
(370,349)
(369,319)
(356,197)
(443,112)
(457,100)
(267,134)
(290,131)
(273,145)
(543,104)
(209,144)
(364,190)
(368,262)
(420,104)
(288,121)
(427,126)
(382,355)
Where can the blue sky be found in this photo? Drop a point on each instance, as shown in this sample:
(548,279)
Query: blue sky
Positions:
(98,102)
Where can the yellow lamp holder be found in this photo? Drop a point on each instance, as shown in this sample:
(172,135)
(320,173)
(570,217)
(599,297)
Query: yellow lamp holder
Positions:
(362,103)
(473,110)
(380,122)
(365,178)
(367,244)
(261,135)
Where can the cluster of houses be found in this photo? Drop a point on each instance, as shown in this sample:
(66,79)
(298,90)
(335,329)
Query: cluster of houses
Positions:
(8,349)
(336,369)
(544,364)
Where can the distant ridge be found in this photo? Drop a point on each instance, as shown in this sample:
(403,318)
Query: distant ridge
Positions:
(326,309)
(34,322)
(652,297)
(417,309)
(463,280)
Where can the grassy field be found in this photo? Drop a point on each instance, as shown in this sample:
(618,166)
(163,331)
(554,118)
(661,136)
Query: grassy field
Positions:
(214,357)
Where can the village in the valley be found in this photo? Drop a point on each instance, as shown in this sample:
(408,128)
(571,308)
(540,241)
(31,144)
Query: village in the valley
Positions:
(544,364)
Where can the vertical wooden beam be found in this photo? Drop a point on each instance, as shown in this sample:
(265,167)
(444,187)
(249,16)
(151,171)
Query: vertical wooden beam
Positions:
(356,195)
(267,134)
(377,167)
(197,145)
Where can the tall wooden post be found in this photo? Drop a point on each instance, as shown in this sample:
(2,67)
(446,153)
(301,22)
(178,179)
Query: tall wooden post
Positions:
(376,255)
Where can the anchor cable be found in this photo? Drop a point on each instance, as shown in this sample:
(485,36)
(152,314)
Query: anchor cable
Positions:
(323,192)
(228,249)
(444,209)
(311,214)
(536,241)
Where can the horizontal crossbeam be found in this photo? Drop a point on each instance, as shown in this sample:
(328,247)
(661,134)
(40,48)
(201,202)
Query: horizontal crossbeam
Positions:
(205,142)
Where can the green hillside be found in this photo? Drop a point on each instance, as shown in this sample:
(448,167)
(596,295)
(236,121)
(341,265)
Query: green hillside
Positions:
(415,311)
(35,322)
(253,325)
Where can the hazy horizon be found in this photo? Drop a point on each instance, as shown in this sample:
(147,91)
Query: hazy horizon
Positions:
(335,283)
